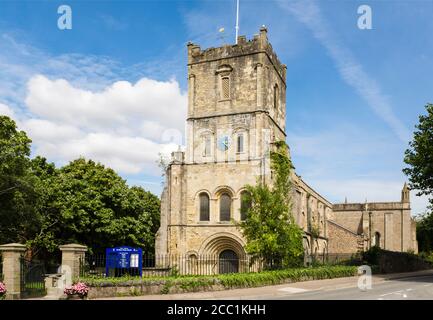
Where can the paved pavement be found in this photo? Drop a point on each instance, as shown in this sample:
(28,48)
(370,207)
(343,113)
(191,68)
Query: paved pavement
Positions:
(414,285)
(414,288)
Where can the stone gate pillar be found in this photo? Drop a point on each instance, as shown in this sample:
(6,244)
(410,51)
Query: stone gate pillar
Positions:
(12,253)
(71,255)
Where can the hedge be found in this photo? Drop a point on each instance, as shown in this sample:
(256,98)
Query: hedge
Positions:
(227,281)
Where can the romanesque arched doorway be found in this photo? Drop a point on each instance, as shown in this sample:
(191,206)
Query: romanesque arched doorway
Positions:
(226,252)
(228,262)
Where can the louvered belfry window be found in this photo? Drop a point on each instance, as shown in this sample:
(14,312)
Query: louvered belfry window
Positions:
(225,87)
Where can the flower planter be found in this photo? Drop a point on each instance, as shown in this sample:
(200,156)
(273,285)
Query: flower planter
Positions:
(75,297)
(2,291)
(78,291)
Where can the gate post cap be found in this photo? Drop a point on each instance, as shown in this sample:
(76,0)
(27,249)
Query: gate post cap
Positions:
(73,247)
(13,247)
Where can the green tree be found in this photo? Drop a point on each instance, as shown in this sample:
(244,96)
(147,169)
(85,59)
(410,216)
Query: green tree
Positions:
(419,155)
(424,232)
(18,218)
(86,202)
(46,188)
(271,233)
(82,202)
(151,205)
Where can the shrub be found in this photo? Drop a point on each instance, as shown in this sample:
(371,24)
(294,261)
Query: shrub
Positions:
(371,256)
(427,256)
(285,275)
(234,280)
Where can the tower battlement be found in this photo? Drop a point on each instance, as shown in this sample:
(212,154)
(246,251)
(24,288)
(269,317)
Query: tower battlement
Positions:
(258,44)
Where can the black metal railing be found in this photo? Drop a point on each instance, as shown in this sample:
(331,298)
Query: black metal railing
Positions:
(168,265)
(32,278)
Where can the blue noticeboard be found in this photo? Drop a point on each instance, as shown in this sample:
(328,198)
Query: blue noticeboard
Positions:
(123,261)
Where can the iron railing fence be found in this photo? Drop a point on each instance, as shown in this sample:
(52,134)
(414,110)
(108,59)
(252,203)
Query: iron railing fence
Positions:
(172,265)
(32,277)
(167,265)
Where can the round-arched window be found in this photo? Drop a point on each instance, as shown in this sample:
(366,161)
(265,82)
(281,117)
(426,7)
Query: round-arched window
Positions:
(377,239)
(204,206)
(225,207)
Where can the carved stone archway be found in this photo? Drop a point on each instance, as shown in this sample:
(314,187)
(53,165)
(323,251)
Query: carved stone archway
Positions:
(219,243)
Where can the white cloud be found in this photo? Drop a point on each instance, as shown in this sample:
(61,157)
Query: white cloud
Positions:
(116,105)
(123,125)
(75,105)
(20,61)
(6,111)
(47,131)
(128,155)
(308,12)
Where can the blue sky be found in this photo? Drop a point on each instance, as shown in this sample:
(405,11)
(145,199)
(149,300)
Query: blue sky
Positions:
(114,87)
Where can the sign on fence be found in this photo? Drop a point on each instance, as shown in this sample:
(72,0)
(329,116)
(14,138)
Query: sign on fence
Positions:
(123,260)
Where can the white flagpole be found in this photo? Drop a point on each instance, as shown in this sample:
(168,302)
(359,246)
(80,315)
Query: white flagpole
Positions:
(237,20)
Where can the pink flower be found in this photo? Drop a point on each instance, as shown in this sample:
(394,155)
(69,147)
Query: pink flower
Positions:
(2,289)
(79,288)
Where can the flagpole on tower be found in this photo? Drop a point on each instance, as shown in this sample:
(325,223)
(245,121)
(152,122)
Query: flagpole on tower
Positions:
(237,20)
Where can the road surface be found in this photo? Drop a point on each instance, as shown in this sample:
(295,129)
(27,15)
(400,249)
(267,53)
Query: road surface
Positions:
(413,288)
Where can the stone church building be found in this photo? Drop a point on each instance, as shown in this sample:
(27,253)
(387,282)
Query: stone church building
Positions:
(236,110)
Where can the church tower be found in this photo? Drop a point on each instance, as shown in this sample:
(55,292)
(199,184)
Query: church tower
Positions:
(236,98)
(236,108)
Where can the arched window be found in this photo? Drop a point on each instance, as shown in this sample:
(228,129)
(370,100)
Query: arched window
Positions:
(245,204)
(204,207)
(225,207)
(377,239)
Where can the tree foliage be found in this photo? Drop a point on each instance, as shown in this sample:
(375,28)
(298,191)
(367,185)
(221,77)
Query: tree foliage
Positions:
(424,232)
(87,203)
(419,156)
(270,230)
(84,202)
(18,217)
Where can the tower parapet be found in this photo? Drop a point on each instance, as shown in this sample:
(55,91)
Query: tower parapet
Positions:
(259,44)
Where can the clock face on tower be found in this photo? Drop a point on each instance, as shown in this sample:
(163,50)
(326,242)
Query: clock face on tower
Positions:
(224,143)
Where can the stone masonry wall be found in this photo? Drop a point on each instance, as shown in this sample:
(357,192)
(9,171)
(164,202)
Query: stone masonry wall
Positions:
(341,240)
